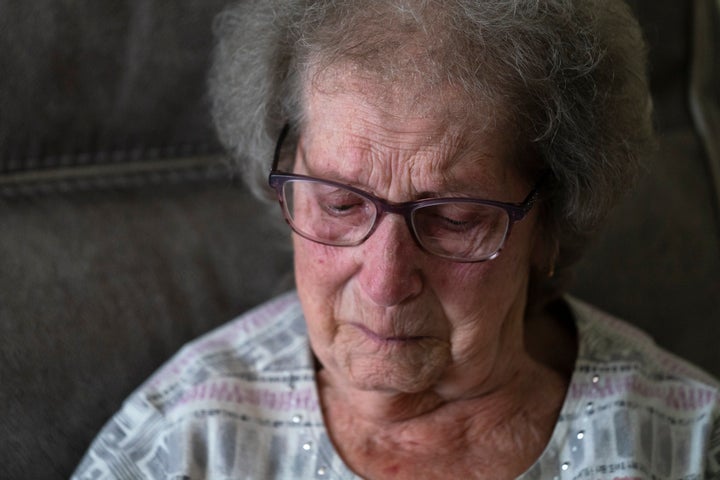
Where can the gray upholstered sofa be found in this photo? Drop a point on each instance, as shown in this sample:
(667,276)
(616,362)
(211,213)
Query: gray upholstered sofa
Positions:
(124,234)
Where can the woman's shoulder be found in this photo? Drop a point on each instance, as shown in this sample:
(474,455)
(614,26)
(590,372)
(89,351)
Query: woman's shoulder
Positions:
(266,339)
(616,356)
(632,408)
(249,378)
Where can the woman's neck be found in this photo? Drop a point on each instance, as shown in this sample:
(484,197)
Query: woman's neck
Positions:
(501,432)
(505,422)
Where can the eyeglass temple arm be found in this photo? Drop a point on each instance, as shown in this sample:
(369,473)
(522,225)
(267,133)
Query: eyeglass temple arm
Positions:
(278,147)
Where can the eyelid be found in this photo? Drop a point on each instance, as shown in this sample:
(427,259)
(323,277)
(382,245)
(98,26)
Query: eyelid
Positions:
(448,194)
(332,178)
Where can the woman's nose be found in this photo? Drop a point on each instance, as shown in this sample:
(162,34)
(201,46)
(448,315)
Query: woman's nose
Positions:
(390,273)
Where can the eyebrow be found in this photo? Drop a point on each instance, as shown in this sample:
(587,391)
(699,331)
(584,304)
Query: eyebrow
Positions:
(454,188)
(422,195)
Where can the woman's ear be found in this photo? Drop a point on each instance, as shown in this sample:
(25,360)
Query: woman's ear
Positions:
(545,252)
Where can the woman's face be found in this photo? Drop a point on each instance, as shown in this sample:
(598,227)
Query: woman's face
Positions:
(385,315)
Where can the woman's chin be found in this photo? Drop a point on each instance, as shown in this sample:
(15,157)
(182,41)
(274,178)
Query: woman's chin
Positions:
(362,359)
(399,368)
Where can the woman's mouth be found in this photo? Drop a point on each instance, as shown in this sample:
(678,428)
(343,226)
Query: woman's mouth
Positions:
(396,339)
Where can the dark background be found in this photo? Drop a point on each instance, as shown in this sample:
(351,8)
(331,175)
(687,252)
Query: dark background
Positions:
(123,233)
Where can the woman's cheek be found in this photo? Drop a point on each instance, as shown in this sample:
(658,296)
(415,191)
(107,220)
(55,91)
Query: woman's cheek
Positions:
(321,266)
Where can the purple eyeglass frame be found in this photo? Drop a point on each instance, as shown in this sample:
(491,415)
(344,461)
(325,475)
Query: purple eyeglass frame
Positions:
(515,211)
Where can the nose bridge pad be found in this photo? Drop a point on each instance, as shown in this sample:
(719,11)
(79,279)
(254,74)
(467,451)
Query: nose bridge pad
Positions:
(407,215)
(390,211)
(386,209)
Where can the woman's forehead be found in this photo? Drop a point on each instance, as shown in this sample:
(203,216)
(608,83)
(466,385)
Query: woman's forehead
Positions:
(357,105)
(435,136)
(406,98)
(352,140)
(347,112)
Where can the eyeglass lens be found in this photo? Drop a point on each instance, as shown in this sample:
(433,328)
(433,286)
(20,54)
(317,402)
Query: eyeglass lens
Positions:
(328,213)
(332,215)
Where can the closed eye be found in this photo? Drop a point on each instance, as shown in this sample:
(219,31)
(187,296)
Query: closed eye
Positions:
(340,203)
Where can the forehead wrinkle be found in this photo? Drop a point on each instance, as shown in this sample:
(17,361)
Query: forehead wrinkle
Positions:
(410,172)
(384,161)
(436,157)
(376,146)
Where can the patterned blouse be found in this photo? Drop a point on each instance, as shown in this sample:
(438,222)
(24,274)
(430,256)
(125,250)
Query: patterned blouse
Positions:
(241,402)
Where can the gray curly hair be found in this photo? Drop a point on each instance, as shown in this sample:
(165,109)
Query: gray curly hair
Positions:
(570,74)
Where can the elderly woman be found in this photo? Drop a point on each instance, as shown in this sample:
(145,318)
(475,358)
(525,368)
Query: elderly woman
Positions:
(441,164)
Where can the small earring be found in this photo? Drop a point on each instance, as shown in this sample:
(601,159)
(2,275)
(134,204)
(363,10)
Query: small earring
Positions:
(553,259)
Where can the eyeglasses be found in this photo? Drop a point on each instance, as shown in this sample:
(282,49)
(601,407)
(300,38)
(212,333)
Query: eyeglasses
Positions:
(335,214)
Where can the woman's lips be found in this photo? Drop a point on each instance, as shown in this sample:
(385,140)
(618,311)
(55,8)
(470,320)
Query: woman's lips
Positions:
(388,338)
